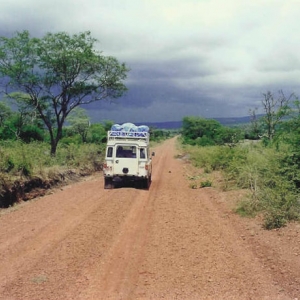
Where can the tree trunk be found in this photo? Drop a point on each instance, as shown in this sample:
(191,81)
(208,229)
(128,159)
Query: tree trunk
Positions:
(55,138)
(53,147)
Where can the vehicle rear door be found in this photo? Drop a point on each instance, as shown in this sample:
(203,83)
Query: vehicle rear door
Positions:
(126,160)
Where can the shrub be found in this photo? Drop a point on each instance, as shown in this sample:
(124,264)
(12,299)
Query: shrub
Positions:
(206,183)
(208,132)
(34,158)
(269,173)
(274,219)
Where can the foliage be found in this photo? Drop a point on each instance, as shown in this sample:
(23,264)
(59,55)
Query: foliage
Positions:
(24,166)
(80,122)
(275,109)
(269,173)
(206,183)
(33,159)
(31,133)
(254,130)
(157,135)
(98,133)
(108,124)
(57,73)
(203,132)
(16,127)
(5,112)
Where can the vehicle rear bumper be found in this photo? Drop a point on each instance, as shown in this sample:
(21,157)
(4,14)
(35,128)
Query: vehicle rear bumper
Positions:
(126,178)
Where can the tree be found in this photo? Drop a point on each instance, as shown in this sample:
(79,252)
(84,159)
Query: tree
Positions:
(108,124)
(291,131)
(80,122)
(208,132)
(5,113)
(59,72)
(275,110)
(254,124)
(98,133)
(23,123)
(197,128)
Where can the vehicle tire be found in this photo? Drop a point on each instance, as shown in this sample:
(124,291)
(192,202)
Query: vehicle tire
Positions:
(138,184)
(146,183)
(108,183)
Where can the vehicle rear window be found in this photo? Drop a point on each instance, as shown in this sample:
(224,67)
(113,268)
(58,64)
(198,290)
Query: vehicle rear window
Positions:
(126,151)
(109,152)
(142,153)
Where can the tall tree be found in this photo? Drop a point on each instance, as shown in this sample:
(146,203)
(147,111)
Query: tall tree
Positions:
(275,110)
(80,122)
(22,123)
(5,112)
(254,124)
(59,72)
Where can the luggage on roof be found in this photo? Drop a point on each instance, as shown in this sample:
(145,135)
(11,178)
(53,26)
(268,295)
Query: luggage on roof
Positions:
(129,127)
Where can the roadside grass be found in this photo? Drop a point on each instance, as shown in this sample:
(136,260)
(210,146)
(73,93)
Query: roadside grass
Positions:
(19,159)
(32,162)
(261,170)
(24,167)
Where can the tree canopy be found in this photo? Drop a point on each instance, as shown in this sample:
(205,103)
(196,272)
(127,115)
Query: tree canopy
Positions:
(205,132)
(58,72)
(80,122)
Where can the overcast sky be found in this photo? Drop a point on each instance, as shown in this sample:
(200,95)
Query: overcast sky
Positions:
(208,58)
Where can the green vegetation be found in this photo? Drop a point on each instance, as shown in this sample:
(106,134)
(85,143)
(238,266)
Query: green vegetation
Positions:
(158,135)
(48,77)
(202,132)
(268,168)
(47,80)
(26,157)
(25,166)
(33,159)
(265,171)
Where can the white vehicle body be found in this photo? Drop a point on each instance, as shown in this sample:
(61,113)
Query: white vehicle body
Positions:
(127,158)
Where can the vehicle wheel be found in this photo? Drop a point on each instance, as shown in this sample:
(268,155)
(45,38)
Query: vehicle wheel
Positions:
(108,183)
(147,183)
(138,184)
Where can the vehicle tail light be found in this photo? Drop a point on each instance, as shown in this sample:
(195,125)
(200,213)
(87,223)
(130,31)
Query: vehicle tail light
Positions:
(146,167)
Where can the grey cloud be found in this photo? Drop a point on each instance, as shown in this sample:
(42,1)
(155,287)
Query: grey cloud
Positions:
(170,69)
(280,60)
(208,58)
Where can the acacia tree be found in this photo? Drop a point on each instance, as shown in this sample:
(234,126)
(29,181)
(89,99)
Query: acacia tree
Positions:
(5,112)
(58,72)
(80,122)
(275,110)
(254,124)
(23,122)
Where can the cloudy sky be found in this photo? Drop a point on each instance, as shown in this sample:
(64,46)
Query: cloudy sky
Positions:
(208,58)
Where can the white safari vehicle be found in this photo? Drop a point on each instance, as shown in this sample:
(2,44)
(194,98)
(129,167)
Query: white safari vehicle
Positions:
(127,157)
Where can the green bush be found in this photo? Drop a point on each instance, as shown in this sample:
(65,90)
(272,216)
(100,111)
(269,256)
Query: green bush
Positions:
(69,140)
(269,173)
(274,219)
(34,159)
(208,132)
(206,183)
(6,163)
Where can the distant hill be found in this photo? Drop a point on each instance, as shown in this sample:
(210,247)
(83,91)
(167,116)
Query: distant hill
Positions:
(178,124)
(234,121)
(163,125)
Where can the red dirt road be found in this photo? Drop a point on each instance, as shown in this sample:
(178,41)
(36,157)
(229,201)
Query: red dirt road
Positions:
(171,242)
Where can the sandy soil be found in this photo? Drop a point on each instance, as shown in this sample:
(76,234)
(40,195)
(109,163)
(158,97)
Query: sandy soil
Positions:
(171,242)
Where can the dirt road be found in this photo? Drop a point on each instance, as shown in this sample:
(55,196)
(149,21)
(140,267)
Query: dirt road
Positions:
(171,242)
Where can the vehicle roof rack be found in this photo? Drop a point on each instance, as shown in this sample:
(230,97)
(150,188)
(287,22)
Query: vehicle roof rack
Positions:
(128,135)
